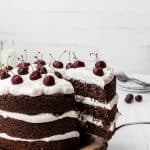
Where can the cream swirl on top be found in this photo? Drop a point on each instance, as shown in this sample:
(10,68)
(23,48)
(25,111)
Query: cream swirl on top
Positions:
(34,87)
(86,75)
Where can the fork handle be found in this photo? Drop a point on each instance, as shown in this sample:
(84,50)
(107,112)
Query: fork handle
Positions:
(140,82)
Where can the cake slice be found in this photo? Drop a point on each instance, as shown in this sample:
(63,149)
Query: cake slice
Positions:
(37,111)
(96,100)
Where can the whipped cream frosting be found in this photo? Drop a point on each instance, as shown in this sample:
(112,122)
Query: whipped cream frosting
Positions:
(98,122)
(96,103)
(40,118)
(57,137)
(34,87)
(86,75)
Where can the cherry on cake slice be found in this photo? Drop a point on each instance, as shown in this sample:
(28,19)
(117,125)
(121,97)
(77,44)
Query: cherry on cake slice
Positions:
(37,112)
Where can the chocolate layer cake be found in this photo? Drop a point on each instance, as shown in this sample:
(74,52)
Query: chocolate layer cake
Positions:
(37,111)
(96,99)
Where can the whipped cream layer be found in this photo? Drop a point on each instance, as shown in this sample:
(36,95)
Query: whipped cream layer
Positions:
(87,76)
(34,87)
(58,137)
(40,118)
(98,122)
(95,103)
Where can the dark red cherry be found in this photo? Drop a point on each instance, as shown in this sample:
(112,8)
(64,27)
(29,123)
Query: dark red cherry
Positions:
(16,79)
(138,98)
(98,71)
(23,64)
(58,64)
(49,80)
(4,74)
(27,64)
(42,70)
(69,65)
(40,62)
(100,64)
(78,64)
(8,68)
(58,74)
(23,70)
(129,98)
(35,75)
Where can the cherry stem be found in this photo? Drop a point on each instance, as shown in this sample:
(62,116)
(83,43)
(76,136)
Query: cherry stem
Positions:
(22,57)
(40,54)
(32,67)
(50,62)
(74,56)
(69,56)
(62,54)
(3,66)
(52,70)
(36,57)
(96,56)
(52,56)
(19,58)
(8,59)
(12,72)
(26,55)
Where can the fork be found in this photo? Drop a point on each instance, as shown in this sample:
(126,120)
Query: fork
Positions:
(124,78)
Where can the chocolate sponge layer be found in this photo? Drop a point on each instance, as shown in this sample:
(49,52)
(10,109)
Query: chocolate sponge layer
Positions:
(69,144)
(97,112)
(95,91)
(26,130)
(56,104)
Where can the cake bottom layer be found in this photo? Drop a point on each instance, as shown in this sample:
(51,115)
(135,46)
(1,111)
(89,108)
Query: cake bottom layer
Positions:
(68,144)
(99,131)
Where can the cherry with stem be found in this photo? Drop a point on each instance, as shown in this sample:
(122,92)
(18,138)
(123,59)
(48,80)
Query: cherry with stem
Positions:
(39,60)
(99,63)
(57,63)
(8,67)
(78,63)
(98,69)
(69,64)
(4,72)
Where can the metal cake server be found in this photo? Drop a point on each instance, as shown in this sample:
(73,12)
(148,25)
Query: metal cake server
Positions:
(124,78)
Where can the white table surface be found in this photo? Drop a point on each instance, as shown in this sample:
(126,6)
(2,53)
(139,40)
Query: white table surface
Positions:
(135,137)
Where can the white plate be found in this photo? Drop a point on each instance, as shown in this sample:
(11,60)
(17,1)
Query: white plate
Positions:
(132,86)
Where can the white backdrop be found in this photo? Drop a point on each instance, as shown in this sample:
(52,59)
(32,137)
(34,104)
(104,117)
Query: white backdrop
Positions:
(119,28)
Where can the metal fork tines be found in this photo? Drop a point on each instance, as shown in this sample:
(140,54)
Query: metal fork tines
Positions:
(124,78)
